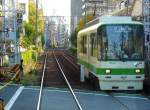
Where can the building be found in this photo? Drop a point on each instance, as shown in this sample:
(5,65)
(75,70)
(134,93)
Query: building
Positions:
(76,13)
(122,7)
(97,7)
(122,4)
(9,52)
(23,7)
(146,20)
(129,8)
(9,48)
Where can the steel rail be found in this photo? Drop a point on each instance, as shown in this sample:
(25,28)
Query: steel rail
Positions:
(41,86)
(70,88)
(117,100)
(145,95)
(71,62)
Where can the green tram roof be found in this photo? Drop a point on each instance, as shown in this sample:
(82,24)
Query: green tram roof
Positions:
(106,20)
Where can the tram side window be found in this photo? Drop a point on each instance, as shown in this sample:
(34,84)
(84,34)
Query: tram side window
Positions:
(102,43)
(93,45)
(83,44)
(99,43)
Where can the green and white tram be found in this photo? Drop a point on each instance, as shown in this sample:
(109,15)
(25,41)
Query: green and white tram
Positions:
(111,48)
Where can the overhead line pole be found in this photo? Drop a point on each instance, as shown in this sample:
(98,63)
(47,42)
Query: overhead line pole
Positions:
(36,23)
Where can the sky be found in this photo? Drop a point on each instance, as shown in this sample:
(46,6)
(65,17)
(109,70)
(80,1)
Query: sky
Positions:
(56,7)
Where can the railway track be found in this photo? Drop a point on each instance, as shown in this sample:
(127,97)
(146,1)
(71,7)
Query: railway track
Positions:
(117,100)
(54,79)
(61,72)
(58,71)
(55,68)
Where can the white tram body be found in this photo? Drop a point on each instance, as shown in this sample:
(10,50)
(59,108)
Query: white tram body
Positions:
(111,48)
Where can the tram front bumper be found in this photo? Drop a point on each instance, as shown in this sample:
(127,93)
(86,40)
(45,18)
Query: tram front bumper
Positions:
(121,82)
(121,85)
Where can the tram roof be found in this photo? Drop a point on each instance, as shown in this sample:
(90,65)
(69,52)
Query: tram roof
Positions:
(107,20)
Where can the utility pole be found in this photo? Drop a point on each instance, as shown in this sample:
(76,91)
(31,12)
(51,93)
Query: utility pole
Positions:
(127,5)
(36,23)
(45,34)
(3,28)
(15,29)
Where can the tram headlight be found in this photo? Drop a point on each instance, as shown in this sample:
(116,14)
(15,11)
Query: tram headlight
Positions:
(137,71)
(108,71)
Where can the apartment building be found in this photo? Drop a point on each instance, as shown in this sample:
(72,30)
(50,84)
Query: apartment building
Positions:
(76,13)
(23,8)
(97,7)
(146,21)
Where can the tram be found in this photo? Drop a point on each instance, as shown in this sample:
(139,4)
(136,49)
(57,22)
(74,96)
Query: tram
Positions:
(112,49)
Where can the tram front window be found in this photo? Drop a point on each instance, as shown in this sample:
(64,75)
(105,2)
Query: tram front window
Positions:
(118,42)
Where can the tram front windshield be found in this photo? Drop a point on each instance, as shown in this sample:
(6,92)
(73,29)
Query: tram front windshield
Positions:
(118,42)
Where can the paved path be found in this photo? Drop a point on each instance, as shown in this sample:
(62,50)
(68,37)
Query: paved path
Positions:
(8,92)
(55,99)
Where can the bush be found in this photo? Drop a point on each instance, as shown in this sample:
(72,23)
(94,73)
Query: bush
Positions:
(30,79)
(73,50)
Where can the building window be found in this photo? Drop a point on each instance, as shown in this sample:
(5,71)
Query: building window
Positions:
(22,7)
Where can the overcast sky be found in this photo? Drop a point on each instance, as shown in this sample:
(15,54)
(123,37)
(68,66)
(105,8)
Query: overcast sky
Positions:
(57,7)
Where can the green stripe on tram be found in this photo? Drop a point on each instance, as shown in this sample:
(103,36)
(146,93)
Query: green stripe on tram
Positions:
(114,71)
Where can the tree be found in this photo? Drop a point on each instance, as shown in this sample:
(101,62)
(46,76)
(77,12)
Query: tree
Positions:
(30,33)
(81,25)
(83,21)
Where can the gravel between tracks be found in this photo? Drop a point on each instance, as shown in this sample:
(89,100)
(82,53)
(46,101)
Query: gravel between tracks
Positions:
(53,77)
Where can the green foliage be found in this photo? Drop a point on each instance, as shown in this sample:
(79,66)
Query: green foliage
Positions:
(73,38)
(81,25)
(6,64)
(73,50)
(83,21)
(30,27)
(27,57)
(30,78)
